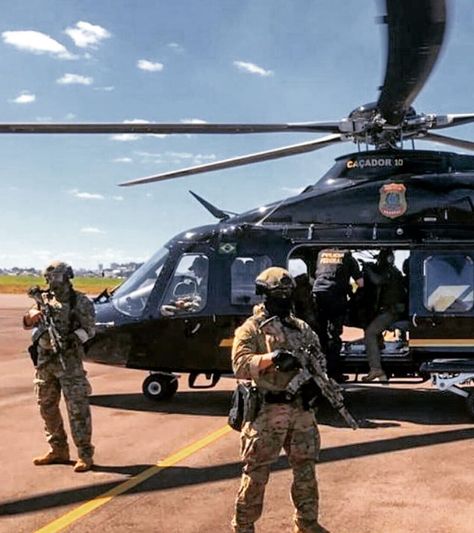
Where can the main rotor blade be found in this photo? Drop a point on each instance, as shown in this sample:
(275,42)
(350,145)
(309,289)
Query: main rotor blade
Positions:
(449,121)
(285,151)
(157,128)
(415,34)
(450,141)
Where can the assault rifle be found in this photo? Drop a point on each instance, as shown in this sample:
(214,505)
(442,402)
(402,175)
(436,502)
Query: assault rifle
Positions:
(47,322)
(311,378)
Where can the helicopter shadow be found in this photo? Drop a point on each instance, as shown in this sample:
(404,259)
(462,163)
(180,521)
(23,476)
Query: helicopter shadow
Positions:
(373,407)
(393,404)
(203,403)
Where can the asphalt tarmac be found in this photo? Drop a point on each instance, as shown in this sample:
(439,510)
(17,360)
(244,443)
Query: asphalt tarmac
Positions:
(173,467)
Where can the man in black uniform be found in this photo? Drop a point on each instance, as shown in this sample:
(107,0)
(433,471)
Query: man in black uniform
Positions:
(390,306)
(334,270)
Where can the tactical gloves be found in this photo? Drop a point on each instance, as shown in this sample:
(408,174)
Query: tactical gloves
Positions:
(285,361)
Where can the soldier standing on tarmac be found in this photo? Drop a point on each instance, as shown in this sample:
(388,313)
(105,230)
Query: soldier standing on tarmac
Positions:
(62,369)
(281,421)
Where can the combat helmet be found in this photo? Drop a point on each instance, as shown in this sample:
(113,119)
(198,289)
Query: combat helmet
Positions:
(56,269)
(276,281)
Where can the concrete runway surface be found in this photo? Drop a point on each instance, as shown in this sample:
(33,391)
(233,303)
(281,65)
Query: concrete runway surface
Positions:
(410,470)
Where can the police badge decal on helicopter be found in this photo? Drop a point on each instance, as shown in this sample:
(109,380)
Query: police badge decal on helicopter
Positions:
(392,202)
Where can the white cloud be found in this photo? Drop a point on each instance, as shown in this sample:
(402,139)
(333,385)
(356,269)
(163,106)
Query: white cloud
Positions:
(176,47)
(193,121)
(25,97)
(36,43)
(201,158)
(251,68)
(125,137)
(176,157)
(136,121)
(91,230)
(87,35)
(70,116)
(105,89)
(118,198)
(148,154)
(86,195)
(123,160)
(74,79)
(149,66)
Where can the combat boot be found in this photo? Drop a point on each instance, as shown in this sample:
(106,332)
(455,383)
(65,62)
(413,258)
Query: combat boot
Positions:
(53,457)
(83,465)
(374,374)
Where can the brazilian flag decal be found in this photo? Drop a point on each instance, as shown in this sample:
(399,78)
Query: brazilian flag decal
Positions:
(228,248)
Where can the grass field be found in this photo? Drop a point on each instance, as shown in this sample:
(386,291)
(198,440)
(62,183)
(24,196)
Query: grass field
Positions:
(20,284)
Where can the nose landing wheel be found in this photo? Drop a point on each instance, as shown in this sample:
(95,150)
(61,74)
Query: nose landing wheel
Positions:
(160,386)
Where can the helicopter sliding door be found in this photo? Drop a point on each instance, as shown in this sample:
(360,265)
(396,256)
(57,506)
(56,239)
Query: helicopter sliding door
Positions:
(442,303)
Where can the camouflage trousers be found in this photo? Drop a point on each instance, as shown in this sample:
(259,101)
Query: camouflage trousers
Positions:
(279,426)
(49,381)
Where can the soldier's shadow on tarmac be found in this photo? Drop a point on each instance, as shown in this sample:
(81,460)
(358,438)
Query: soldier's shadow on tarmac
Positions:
(374,407)
(181,476)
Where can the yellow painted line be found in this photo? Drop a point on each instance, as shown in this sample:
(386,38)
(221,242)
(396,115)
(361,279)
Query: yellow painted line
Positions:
(226,343)
(74,515)
(442,343)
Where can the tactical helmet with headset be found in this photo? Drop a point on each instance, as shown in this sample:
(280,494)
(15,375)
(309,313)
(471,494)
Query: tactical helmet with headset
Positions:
(275,281)
(58,271)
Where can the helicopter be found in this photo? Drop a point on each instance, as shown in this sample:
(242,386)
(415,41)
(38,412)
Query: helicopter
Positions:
(178,311)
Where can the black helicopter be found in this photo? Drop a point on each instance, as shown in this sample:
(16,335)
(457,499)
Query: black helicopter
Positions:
(178,312)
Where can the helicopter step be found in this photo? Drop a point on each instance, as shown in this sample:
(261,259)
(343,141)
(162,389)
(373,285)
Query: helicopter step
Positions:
(160,386)
(448,374)
(212,377)
(392,350)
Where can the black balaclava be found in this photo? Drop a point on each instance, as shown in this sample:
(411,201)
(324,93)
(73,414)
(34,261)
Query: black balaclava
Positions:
(61,289)
(279,304)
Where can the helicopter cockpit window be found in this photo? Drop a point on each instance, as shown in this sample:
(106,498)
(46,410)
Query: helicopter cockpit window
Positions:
(187,291)
(244,270)
(449,283)
(131,297)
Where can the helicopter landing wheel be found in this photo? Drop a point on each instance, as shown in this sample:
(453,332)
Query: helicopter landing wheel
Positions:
(470,404)
(159,387)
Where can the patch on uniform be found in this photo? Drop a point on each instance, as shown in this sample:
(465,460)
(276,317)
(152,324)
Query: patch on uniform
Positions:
(228,248)
(331,257)
(392,202)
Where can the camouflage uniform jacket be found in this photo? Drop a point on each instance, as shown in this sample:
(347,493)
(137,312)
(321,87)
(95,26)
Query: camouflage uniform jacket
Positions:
(75,322)
(250,343)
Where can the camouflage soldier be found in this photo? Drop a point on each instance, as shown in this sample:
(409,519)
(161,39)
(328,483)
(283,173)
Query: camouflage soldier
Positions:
(281,422)
(62,370)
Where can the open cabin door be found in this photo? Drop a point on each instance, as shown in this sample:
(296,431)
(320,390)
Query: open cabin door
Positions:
(441,302)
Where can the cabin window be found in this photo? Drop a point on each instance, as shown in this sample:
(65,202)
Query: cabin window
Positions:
(448,283)
(131,297)
(187,291)
(297,266)
(244,270)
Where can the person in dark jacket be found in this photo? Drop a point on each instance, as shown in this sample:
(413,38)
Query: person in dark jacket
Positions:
(331,289)
(390,305)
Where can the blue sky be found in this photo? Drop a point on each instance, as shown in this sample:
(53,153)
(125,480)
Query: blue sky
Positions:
(172,61)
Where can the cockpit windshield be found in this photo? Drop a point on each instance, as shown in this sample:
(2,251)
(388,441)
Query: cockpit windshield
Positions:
(131,297)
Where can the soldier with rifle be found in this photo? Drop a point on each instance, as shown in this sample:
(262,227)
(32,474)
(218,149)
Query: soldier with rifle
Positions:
(63,320)
(285,419)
